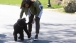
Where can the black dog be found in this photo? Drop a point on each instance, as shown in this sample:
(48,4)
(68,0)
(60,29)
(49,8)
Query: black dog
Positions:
(19,26)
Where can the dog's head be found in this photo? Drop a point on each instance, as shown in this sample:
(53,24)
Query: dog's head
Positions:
(21,21)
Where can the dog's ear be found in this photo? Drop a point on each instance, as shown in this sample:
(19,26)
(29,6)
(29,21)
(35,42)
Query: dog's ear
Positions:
(24,19)
(19,19)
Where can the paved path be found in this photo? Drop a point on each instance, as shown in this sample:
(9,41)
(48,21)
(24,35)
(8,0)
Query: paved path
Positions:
(55,27)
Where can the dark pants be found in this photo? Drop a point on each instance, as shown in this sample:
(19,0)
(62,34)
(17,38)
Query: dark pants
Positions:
(37,22)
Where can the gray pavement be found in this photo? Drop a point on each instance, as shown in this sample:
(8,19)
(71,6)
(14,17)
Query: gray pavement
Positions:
(55,27)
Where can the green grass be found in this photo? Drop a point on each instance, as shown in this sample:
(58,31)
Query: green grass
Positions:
(11,2)
(45,2)
(56,6)
(18,2)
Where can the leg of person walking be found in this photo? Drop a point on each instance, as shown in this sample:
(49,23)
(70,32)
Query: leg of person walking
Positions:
(37,27)
(37,22)
(30,23)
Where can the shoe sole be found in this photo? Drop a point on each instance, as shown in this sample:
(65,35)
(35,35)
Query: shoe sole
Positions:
(35,39)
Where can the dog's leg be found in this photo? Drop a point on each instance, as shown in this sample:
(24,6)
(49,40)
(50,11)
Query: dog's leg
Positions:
(15,36)
(22,36)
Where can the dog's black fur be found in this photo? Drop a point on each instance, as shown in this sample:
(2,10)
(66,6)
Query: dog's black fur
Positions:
(19,26)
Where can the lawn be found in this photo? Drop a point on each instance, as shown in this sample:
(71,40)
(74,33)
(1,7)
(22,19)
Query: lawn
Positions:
(53,5)
(18,2)
(11,2)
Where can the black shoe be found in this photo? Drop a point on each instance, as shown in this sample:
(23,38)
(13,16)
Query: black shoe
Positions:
(21,38)
(36,38)
(29,38)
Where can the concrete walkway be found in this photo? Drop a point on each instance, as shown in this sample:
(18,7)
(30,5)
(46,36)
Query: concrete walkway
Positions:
(55,27)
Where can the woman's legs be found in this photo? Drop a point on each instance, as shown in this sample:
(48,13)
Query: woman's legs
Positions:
(37,22)
(30,23)
(37,27)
